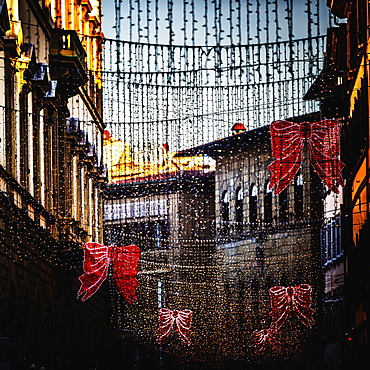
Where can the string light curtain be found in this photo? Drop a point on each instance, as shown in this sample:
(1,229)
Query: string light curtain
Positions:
(180,74)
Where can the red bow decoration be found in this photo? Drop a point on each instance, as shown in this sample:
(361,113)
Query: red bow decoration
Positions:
(287,142)
(96,263)
(183,322)
(264,336)
(285,300)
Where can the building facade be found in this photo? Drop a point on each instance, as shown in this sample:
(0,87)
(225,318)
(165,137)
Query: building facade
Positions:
(51,178)
(343,90)
(263,240)
(166,207)
(327,88)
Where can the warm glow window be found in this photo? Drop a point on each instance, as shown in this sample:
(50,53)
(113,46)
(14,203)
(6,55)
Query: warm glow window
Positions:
(253,203)
(239,209)
(225,210)
(268,204)
(298,197)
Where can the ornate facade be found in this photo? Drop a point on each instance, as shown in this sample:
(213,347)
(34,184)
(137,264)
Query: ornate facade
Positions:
(51,177)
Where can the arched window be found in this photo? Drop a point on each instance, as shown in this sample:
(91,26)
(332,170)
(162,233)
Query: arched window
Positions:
(283,206)
(267,203)
(253,203)
(298,197)
(239,209)
(225,211)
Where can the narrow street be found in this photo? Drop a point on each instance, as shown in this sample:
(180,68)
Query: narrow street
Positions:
(184,184)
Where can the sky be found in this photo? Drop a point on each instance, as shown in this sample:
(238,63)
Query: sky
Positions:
(133,114)
(143,29)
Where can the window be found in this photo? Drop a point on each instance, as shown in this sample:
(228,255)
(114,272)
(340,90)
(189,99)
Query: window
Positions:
(146,234)
(225,212)
(283,206)
(267,203)
(298,197)
(9,118)
(239,209)
(117,235)
(24,137)
(331,244)
(253,203)
(161,233)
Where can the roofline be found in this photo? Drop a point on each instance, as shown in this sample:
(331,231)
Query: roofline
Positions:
(231,143)
(217,148)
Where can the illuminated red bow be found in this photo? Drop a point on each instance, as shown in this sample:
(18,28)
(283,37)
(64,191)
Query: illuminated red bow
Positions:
(285,300)
(183,322)
(264,337)
(96,263)
(287,142)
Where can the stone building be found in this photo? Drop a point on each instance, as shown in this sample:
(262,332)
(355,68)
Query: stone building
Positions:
(158,204)
(333,262)
(50,181)
(262,240)
(343,91)
(165,207)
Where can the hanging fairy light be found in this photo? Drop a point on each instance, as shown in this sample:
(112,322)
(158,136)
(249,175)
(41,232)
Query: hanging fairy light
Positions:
(197,73)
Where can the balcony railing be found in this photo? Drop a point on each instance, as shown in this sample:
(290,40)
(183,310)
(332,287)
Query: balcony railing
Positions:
(68,56)
(18,206)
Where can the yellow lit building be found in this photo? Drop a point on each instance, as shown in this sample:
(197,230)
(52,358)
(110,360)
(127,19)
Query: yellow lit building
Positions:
(51,176)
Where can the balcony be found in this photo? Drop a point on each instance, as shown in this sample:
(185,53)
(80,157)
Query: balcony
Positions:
(22,212)
(102,174)
(60,239)
(90,157)
(67,60)
(38,74)
(73,130)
